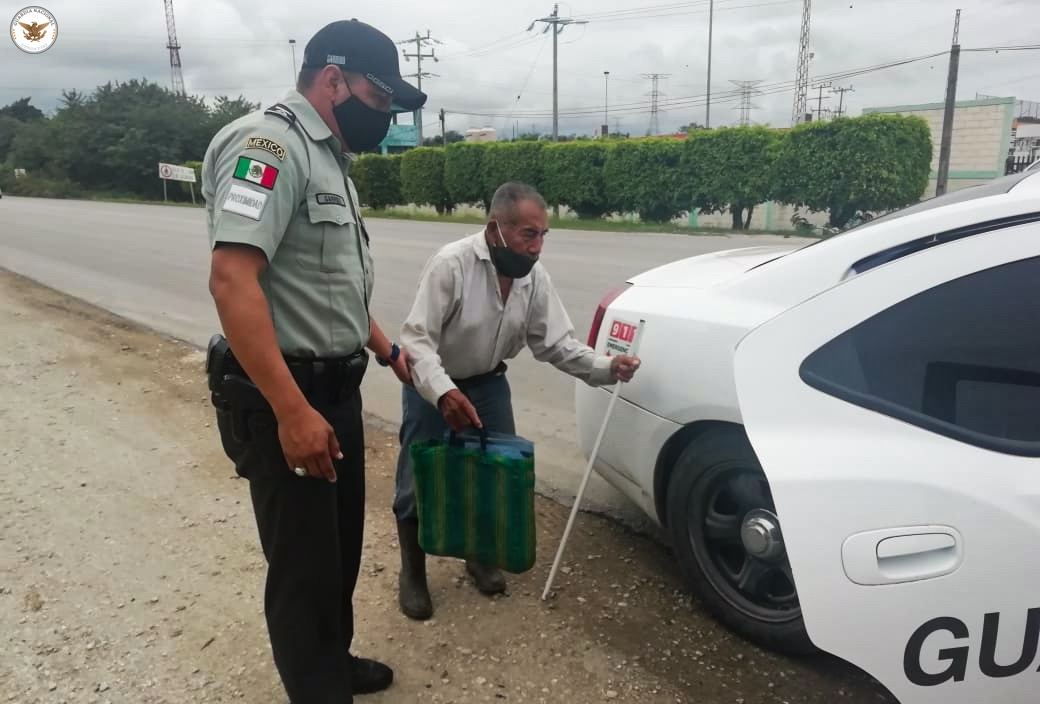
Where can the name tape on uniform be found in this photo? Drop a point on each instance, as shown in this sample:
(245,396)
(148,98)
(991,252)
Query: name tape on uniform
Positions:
(245,202)
(267,145)
(330,199)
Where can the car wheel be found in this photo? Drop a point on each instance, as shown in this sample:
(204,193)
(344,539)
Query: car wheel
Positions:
(725,531)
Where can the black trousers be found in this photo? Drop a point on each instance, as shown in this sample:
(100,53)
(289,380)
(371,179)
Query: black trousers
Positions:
(311,533)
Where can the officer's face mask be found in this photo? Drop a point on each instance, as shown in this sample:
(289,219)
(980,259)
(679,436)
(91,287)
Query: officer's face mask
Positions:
(362,127)
(509,263)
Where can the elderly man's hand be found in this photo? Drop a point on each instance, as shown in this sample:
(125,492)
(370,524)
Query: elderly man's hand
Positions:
(458,412)
(623,367)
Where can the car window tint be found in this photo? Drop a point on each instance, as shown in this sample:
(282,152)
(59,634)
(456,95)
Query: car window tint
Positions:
(961,359)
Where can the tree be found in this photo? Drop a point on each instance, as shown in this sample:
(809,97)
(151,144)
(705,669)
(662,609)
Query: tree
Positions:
(731,168)
(422,179)
(451,137)
(22,111)
(850,167)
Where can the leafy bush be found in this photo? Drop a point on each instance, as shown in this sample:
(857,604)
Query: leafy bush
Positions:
(731,168)
(645,176)
(464,174)
(853,166)
(512,161)
(422,179)
(378,180)
(573,176)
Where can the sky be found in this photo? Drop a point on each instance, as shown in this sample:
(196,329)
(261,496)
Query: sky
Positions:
(492,71)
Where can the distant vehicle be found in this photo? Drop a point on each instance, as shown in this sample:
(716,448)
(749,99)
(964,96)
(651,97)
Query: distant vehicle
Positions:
(842,439)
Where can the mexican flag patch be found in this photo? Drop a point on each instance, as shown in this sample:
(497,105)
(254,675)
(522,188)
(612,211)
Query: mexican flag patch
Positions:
(256,172)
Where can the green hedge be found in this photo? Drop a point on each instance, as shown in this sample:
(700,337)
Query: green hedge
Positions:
(464,173)
(857,165)
(422,179)
(378,180)
(573,176)
(847,167)
(645,176)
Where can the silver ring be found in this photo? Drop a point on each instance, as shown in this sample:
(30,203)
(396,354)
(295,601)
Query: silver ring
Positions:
(300,472)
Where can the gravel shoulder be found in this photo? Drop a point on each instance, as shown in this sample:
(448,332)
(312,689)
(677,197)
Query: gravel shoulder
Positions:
(130,570)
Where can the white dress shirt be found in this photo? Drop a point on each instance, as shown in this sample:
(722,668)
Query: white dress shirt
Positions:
(458,326)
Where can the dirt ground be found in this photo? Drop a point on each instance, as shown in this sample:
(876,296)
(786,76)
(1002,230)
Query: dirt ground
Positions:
(130,569)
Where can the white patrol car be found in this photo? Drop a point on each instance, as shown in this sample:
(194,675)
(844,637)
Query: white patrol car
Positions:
(843,439)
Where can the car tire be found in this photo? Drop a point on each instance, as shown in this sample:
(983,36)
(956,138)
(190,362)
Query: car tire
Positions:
(715,485)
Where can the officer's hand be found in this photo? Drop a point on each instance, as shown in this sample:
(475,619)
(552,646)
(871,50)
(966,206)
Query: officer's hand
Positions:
(623,367)
(458,412)
(401,370)
(308,441)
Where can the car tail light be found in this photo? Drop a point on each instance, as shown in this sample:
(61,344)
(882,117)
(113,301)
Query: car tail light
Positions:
(601,310)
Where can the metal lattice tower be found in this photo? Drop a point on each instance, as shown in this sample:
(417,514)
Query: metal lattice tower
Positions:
(747,89)
(175,50)
(801,83)
(655,95)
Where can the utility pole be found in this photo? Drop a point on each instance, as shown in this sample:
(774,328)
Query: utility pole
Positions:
(747,89)
(556,24)
(820,99)
(711,23)
(801,83)
(174,46)
(606,103)
(419,41)
(942,178)
(292,45)
(444,135)
(841,99)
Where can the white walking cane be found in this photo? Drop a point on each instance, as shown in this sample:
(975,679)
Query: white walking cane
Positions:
(634,351)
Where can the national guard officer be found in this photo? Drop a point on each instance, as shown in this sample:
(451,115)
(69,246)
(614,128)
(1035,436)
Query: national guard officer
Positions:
(291,276)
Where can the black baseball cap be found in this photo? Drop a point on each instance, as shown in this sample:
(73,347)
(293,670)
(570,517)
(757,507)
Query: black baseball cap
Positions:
(360,48)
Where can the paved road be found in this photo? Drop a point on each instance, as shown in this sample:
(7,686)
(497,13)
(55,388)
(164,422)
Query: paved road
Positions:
(150,263)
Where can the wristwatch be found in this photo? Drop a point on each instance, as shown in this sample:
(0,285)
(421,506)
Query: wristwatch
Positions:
(395,352)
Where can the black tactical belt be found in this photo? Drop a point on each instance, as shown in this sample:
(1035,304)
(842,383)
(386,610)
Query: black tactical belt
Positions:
(479,378)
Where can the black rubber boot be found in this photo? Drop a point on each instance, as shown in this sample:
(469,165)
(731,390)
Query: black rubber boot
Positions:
(489,580)
(413,593)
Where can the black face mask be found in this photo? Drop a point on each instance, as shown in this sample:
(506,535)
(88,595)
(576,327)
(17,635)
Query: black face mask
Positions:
(510,264)
(362,127)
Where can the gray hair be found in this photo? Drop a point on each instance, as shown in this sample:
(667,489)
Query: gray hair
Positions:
(508,197)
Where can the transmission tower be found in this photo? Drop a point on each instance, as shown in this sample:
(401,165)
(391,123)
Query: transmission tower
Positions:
(557,24)
(419,74)
(801,83)
(747,89)
(655,95)
(175,50)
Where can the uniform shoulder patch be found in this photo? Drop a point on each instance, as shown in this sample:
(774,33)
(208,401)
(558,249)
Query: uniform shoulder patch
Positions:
(330,199)
(279,110)
(257,172)
(267,145)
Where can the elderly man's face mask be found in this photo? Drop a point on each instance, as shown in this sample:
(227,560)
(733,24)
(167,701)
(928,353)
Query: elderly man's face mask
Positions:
(509,263)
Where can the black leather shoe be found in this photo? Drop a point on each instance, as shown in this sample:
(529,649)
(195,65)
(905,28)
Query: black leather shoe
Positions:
(368,676)
(489,580)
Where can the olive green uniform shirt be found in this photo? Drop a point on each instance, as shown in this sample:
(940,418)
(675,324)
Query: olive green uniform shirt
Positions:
(278,180)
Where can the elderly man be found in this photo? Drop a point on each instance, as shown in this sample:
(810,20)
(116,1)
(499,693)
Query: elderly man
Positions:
(480,300)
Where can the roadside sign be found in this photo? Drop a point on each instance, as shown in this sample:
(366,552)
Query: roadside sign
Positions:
(619,341)
(172,172)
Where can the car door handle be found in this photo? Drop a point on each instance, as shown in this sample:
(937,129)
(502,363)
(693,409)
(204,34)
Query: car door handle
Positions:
(896,555)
